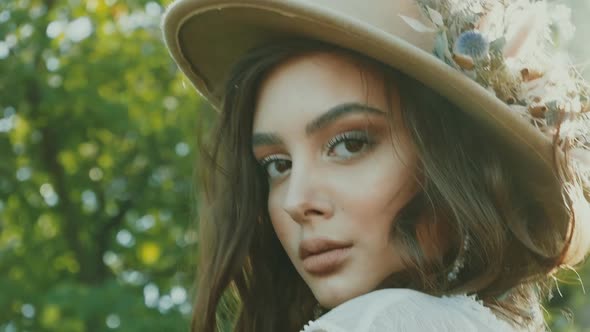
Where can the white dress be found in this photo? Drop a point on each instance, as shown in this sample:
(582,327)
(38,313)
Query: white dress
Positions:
(396,309)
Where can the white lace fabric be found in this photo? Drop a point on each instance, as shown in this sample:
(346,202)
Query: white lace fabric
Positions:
(404,310)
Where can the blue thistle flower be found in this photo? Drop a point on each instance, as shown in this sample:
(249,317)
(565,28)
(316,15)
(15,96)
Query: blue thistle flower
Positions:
(473,44)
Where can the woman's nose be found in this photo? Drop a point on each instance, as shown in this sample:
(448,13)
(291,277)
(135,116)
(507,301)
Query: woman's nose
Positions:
(307,196)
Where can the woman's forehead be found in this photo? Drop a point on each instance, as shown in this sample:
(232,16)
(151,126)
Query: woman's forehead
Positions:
(309,84)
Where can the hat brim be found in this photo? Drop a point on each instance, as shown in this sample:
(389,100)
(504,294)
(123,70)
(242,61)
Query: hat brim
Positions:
(207,37)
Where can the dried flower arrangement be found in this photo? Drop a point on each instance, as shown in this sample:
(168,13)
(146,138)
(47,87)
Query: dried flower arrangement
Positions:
(512,49)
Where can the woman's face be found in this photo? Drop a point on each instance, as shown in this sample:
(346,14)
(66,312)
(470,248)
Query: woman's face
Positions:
(325,140)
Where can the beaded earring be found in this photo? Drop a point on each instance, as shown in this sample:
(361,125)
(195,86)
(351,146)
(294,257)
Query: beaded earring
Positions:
(460,261)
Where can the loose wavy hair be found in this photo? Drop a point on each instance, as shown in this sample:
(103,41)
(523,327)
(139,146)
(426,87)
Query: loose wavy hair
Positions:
(470,188)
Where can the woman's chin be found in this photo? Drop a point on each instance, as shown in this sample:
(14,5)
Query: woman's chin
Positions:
(334,291)
(330,301)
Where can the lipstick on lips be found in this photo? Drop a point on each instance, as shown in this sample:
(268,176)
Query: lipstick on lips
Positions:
(323,255)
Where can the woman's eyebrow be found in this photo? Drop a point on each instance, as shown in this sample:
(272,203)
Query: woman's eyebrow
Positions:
(259,139)
(322,121)
(338,112)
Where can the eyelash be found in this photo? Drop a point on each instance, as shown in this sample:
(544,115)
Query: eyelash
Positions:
(264,162)
(360,136)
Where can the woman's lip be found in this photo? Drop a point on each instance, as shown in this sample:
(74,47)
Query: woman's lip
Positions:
(327,261)
(312,246)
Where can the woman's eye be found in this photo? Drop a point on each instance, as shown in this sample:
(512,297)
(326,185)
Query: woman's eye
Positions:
(348,145)
(275,166)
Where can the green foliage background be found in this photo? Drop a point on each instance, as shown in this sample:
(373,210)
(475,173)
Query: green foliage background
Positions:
(97,141)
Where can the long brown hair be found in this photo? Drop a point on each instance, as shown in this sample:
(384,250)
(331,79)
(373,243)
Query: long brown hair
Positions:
(470,187)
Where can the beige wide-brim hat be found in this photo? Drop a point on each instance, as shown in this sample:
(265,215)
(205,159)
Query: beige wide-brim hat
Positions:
(206,37)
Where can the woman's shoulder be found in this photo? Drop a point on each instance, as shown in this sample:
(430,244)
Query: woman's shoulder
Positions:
(408,310)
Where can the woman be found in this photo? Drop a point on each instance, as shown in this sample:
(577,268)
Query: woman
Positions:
(384,166)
